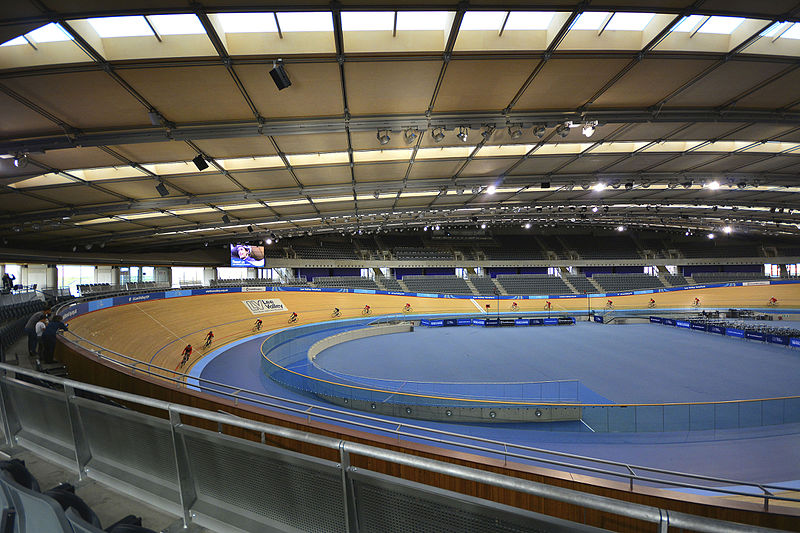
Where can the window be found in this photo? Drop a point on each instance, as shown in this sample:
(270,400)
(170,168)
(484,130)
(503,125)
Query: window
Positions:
(773,271)
(73,275)
(793,269)
(148,274)
(629,21)
(317,21)
(554,271)
(187,276)
(368,20)
(232,273)
(462,273)
(367,273)
(248,22)
(590,20)
(651,270)
(672,269)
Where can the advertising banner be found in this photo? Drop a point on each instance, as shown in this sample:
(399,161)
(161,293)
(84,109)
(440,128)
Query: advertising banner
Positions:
(264,305)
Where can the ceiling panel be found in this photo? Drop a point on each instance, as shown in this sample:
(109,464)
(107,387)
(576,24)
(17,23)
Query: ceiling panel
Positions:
(650,81)
(383,87)
(684,162)
(156,152)
(83,99)
(637,162)
(588,163)
(760,132)
(207,183)
(729,163)
(649,131)
(312,176)
(777,94)
(568,83)
(311,82)
(20,119)
(540,164)
(265,179)
(434,169)
(137,188)
(236,147)
(724,83)
(76,195)
(708,130)
(481,84)
(190,94)
(380,172)
(77,158)
(17,202)
(317,143)
(490,168)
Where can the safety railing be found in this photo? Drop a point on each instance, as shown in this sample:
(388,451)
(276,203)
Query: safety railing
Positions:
(633,475)
(212,478)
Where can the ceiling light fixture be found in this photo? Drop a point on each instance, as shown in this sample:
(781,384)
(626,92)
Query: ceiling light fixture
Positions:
(162,189)
(383,137)
(491,189)
(594,209)
(727,229)
(409,135)
(588,128)
(527,225)
(279,76)
(562,130)
(437,134)
(200,162)
(21,160)
(711,235)
(226,219)
(714,185)
(539,131)
(599,186)
(620,228)
(462,133)
(515,131)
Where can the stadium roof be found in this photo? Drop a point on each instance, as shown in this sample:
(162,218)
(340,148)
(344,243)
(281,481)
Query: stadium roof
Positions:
(650,114)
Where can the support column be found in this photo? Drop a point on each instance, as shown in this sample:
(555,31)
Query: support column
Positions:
(23,276)
(115,276)
(51,277)
(209,275)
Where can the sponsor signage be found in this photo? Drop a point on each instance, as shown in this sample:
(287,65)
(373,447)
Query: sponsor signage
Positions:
(464,322)
(655,320)
(522,322)
(747,283)
(733,332)
(794,341)
(682,324)
(668,322)
(450,322)
(536,322)
(264,305)
(755,336)
(698,326)
(716,329)
(551,321)
(778,339)
(491,322)
(598,319)
(254,289)
(478,321)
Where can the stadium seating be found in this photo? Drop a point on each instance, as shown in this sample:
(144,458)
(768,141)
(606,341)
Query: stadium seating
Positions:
(412,253)
(519,284)
(676,280)
(581,283)
(706,249)
(325,252)
(589,247)
(627,282)
(718,277)
(345,282)
(484,285)
(391,284)
(437,284)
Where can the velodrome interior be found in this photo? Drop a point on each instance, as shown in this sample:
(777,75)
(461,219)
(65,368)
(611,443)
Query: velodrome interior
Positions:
(589,160)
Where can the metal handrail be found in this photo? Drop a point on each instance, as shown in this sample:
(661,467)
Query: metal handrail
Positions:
(647,513)
(630,475)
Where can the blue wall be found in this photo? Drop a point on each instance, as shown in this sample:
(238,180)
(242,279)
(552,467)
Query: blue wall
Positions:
(400,272)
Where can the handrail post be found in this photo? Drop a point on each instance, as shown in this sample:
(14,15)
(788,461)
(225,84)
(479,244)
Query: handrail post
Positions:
(83,452)
(348,497)
(10,422)
(186,488)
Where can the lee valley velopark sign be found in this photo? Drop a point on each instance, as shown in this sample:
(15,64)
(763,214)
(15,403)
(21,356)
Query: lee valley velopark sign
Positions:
(264,305)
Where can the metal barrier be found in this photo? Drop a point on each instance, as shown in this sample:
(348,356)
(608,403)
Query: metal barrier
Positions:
(633,475)
(214,480)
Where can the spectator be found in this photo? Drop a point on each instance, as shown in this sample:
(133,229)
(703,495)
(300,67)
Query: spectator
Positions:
(40,327)
(49,338)
(30,329)
(8,281)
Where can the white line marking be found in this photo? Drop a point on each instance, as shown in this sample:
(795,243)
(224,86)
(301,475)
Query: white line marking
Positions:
(481,309)
(588,426)
(157,322)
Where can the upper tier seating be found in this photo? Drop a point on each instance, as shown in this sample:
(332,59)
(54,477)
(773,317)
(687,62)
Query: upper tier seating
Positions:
(676,280)
(518,284)
(708,249)
(412,253)
(437,284)
(325,252)
(715,277)
(484,284)
(345,282)
(589,247)
(627,282)
(515,254)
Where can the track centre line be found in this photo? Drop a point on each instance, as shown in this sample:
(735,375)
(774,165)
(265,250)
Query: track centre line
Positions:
(481,309)
(157,322)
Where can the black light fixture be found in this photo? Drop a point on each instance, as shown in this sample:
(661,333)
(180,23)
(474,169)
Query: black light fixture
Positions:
(562,130)
(162,189)
(226,219)
(279,76)
(545,185)
(250,229)
(539,131)
(21,160)
(462,133)
(200,162)
(629,186)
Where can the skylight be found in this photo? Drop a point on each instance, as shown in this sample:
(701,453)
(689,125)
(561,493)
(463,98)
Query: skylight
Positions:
(591,20)
(367,20)
(688,24)
(629,21)
(292,22)
(721,25)
(109,27)
(529,20)
(793,32)
(15,42)
(247,22)
(424,20)
(483,20)
(775,28)
(50,33)
(187,24)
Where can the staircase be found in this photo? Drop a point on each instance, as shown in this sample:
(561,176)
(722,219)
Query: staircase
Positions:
(499,287)
(564,273)
(403,285)
(662,273)
(472,287)
(597,285)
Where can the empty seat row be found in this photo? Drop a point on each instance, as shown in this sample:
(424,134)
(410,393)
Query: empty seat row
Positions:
(581,283)
(345,282)
(627,282)
(521,284)
(711,277)
(484,285)
(437,284)
(391,284)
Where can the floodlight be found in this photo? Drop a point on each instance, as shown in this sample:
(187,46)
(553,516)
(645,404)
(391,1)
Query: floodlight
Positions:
(491,189)
(226,219)
(727,229)
(162,189)
(250,229)
(585,185)
(376,194)
(714,185)
(462,133)
(409,135)
(383,137)
(200,162)
(539,131)
(267,241)
(545,185)
(527,225)
(437,134)
(599,186)
(515,132)
(629,186)
(483,225)
(711,235)
(594,209)
(279,76)
(687,184)
(620,228)
(562,130)
(588,129)
(21,160)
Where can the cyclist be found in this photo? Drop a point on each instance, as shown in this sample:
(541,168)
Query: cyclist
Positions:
(367,310)
(209,339)
(651,303)
(407,308)
(293,317)
(609,304)
(514,306)
(187,353)
(773,301)
(336,312)
(547,305)
(697,302)
(257,325)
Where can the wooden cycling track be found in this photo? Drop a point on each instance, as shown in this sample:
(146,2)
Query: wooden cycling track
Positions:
(155,332)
